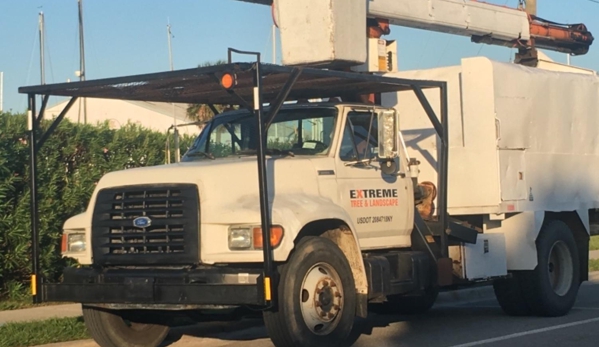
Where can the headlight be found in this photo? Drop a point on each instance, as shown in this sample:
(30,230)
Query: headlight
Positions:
(73,243)
(250,237)
(240,238)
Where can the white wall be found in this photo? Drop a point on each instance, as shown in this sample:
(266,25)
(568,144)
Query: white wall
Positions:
(119,113)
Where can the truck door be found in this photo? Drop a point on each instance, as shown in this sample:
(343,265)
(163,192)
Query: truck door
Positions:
(379,204)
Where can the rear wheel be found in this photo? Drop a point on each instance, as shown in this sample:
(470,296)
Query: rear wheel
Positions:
(551,288)
(109,329)
(556,279)
(316,297)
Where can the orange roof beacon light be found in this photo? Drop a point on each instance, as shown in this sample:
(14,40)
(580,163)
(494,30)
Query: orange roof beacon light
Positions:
(228,80)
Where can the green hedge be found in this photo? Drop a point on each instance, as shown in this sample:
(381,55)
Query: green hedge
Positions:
(70,163)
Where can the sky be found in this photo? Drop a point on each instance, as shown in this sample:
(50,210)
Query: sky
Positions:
(130,37)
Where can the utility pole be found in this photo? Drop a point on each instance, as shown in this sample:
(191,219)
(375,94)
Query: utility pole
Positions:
(528,55)
(1,91)
(170,58)
(274,44)
(82,58)
(42,50)
(170,49)
(531,7)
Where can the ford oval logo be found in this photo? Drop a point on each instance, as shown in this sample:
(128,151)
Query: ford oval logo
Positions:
(142,222)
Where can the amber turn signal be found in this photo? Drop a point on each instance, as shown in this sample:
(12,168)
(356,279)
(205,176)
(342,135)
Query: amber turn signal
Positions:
(63,245)
(276,235)
(228,81)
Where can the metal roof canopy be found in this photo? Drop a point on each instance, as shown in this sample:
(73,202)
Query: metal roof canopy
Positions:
(202,85)
(256,84)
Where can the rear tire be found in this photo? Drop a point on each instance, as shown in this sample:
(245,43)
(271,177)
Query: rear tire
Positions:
(554,283)
(551,288)
(109,329)
(316,297)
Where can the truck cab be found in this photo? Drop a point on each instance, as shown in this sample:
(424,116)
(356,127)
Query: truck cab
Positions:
(326,165)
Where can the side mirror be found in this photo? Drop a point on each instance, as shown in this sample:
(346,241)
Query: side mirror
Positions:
(388,127)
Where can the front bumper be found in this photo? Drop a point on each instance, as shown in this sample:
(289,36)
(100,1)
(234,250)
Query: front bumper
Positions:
(159,287)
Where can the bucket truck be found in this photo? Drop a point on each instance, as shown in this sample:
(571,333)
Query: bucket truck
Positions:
(399,186)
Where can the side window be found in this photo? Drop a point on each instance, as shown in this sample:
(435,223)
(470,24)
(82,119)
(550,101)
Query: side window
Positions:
(221,144)
(282,135)
(360,137)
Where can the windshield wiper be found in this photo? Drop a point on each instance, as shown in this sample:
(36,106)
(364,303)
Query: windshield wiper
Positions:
(280,151)
(200,153)
(268,151)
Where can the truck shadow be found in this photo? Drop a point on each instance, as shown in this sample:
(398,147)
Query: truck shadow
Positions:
(413,327)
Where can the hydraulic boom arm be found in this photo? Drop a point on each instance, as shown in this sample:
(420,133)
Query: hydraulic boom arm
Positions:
(483,22)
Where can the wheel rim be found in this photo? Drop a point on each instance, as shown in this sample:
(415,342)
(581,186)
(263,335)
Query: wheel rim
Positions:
(321,299)
(560,268)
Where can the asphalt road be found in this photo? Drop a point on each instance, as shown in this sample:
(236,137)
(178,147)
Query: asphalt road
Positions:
(447,325)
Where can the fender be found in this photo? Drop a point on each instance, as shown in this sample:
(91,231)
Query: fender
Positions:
(521,231)
(583,214)
(312,210)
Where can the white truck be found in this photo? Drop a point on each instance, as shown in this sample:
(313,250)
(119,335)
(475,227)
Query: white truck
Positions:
(345,233)
(410,183)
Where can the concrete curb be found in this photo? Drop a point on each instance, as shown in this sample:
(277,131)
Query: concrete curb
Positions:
(78,343)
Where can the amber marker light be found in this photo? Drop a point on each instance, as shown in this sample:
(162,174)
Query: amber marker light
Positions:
(228,81)
(276,235)
(63,245)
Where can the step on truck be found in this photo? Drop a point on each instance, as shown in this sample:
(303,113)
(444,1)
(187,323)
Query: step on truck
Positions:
(310,212)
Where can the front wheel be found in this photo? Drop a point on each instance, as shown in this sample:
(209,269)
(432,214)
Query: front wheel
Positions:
(109,329)
(316,297)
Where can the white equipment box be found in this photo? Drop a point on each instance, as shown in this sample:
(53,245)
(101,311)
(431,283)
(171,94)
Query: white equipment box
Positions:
(520,138)
(485,259)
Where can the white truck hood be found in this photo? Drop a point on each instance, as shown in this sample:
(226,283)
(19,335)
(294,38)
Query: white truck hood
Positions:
(228,188)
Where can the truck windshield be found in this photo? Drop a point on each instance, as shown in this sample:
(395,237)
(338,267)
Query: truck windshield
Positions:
(301,131)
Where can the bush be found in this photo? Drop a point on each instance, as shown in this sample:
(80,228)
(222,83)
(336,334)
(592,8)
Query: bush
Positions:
(69,166)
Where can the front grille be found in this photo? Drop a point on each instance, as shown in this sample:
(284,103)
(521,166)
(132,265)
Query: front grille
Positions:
(167,229)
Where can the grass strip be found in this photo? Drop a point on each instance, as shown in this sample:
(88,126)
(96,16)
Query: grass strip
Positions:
(593,265)
(18,304)
(594,245)
(42,332)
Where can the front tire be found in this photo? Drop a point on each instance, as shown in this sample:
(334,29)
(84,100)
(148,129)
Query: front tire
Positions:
(316,297)
(109,329)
